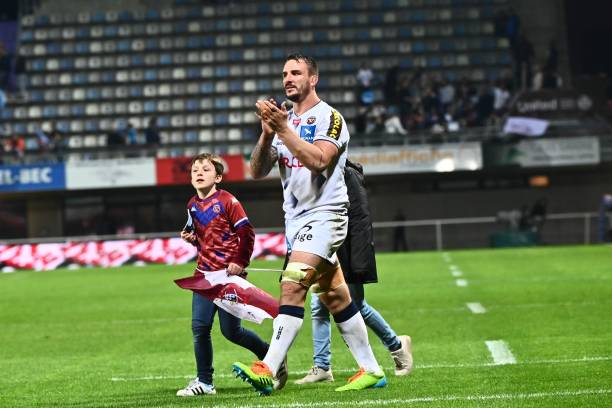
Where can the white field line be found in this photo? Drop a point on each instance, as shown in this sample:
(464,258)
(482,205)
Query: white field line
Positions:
(457,273)
(476,307)
(447,398)
(462,283)
(500,351)
(417,366)
(446,256)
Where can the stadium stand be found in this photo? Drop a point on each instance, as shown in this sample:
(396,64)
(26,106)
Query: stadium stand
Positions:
(199,67)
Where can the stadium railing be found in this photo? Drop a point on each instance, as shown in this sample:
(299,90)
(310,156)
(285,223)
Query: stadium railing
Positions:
(430,234)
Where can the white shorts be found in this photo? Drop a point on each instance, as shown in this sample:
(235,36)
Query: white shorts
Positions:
(320,233)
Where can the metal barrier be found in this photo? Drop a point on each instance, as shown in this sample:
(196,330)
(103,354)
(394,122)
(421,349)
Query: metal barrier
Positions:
(457,233)
(433,234)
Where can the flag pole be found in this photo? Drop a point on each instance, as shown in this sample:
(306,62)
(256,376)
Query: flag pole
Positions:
(263,270)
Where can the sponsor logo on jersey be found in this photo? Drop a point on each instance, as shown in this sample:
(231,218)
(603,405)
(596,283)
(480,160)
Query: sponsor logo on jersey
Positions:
(296,122)
(311,120)
(335,125)
(307,133)
(290,163)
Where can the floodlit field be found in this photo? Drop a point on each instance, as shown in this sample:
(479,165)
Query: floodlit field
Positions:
(502,328)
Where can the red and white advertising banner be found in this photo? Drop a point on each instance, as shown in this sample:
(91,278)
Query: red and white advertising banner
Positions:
(445,157)
(170,251)
(175,170)
(110,173)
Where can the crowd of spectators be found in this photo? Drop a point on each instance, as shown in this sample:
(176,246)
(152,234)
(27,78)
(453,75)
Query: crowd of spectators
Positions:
(423,101)
(51,145)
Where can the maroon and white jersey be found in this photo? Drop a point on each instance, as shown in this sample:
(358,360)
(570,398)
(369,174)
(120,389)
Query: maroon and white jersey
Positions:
(224,233)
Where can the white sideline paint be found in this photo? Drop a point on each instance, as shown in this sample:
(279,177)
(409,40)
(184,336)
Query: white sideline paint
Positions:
(420,400)
(456,273)
(500,352)
(461,283)
(593,359)
(476,308)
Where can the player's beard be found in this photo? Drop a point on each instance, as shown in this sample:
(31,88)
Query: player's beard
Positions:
(299,95)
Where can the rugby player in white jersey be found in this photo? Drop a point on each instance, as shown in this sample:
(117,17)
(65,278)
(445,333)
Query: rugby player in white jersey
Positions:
(309,142)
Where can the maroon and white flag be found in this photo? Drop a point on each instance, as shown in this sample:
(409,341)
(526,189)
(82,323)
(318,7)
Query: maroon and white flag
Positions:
(233,294)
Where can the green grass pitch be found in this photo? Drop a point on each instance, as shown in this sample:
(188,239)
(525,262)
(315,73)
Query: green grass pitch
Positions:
(121,337)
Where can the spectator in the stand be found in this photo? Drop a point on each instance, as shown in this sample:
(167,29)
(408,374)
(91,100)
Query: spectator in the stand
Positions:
(365,76)
(131,136)
(3,101)
(59,145)
(391,86)
(404,95)
(5,63)
(552,57)
(376,124)
(115,138)
(18,147)
(365,92)
(447,95)
(361,120)
(513,26)
(501,97)
(524,53)
(484,106)
(20,74)
(152,133)
(393,124)
(43,141)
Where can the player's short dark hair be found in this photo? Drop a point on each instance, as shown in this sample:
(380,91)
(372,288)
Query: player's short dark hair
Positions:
(215,160)
(313,67)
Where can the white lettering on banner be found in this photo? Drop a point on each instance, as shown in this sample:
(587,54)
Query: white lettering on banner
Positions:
(424,158)
(6,178)
(33,175)
(36,175)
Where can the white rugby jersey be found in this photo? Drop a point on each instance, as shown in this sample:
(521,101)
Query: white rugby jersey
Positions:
(302,190)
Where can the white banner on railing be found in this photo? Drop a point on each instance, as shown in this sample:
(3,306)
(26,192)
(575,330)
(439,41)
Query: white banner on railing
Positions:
(171,251)
(110,173)
(566,151)
(416,159)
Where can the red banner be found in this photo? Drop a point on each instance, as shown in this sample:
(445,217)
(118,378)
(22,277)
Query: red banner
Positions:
(171,251)
(176,170)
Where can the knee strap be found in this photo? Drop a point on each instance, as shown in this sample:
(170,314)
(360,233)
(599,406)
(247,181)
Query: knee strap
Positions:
(300,273)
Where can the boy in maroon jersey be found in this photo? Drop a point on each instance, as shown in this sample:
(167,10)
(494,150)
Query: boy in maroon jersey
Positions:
(218,225)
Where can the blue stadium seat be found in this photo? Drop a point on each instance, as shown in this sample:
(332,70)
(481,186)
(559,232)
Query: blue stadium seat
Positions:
(125,16)
(150,106)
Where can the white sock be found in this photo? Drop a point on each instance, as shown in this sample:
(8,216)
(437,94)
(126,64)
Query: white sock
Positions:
(355,335)
(285,329)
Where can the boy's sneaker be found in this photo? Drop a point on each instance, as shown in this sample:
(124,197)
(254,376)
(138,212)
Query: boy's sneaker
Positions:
(316,374)
(258,375)
(281,375)
(403,356)
(363,380)
(196,387)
